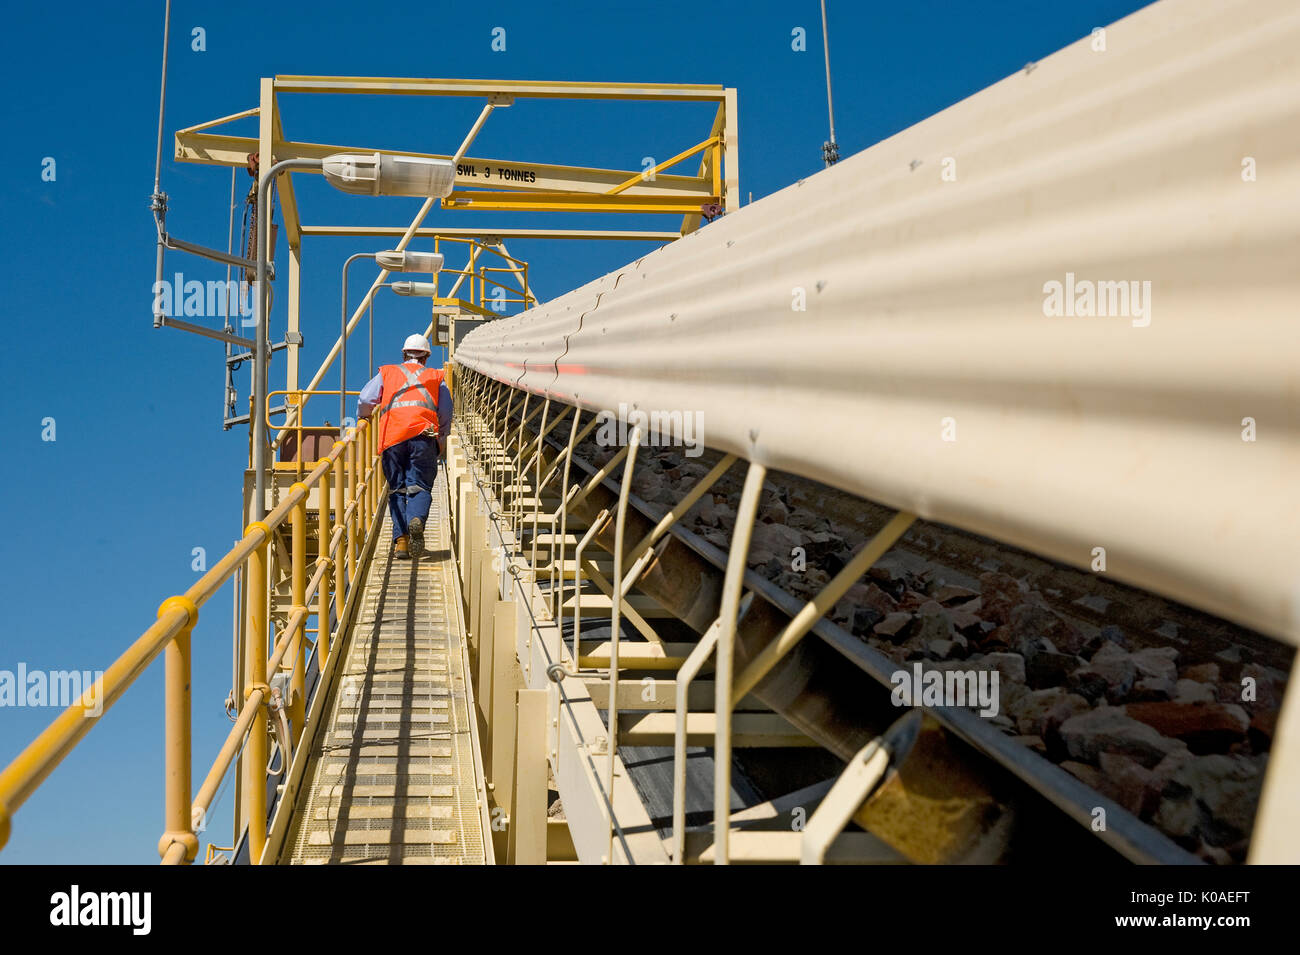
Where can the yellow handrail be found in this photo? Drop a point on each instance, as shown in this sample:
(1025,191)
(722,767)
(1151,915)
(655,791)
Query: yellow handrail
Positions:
(295,399)
(356,500)
(474,271)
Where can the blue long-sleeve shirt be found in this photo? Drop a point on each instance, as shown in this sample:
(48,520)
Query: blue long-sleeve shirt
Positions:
(372,394)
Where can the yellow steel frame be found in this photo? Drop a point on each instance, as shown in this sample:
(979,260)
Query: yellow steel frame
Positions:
(294,399)
(349,481)
(712,141)
(541,187)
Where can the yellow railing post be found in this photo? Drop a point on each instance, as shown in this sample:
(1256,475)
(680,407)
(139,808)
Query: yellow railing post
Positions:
(362,441)
(351,498)
(176,788)
(372,482)
(374,464)
(255,650)
(367,453)
(368,468)
(323,594)
(298,585)
(342,579)
(362,490)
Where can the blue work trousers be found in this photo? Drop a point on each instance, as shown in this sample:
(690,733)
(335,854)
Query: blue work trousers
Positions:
(410,468)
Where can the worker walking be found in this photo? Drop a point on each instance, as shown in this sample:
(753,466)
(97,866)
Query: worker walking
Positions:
(416,409)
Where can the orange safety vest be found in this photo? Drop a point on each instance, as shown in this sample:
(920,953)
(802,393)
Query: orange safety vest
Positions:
(410,403)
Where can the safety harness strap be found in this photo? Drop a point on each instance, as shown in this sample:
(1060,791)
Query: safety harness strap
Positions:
(412,383)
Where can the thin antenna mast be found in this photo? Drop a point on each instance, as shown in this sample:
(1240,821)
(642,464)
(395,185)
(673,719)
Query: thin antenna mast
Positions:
(830,149)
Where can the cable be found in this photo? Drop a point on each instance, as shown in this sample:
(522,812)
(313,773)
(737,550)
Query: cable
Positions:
(280,721)
(162,97)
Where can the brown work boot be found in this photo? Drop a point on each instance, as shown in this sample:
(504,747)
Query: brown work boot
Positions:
(401,550)
(416,529)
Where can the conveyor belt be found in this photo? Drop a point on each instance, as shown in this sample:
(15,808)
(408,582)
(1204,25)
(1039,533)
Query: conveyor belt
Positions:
(394,775)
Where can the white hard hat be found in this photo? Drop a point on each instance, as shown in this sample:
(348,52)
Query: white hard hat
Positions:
(416,343)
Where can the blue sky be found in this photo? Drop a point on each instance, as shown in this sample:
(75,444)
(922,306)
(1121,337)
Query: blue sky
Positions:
(102,522)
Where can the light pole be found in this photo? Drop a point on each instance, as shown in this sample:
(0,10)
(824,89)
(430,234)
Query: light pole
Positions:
(343,337)
(374,174)
(392,261)
(260,330)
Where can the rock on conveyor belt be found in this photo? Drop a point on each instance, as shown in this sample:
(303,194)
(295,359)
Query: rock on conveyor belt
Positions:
(1168,711)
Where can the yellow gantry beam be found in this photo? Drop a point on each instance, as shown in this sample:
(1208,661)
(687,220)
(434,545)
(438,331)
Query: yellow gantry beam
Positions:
(227,150)
(543,89)
(558,201)
(384,231)
(555,186)
(284,182)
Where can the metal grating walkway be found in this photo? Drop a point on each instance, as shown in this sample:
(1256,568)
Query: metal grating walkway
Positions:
(393,776)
